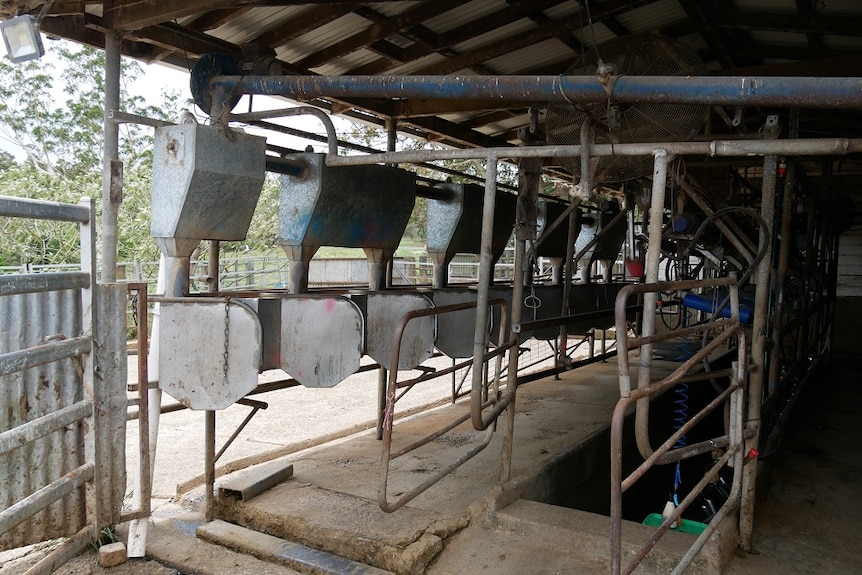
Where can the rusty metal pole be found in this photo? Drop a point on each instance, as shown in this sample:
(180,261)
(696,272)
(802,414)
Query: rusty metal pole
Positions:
(585,189)
(758,344)
(210,422)
(213,266)
(382,373)
(656,214)
(512,371)
(209,464)
(529,176)
(781,273)
(480,333)
(112,167)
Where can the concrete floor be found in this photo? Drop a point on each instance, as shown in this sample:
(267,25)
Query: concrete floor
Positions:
(464,523)
(808,517)
(808,520)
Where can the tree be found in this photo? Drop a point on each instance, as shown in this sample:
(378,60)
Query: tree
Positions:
(58,126)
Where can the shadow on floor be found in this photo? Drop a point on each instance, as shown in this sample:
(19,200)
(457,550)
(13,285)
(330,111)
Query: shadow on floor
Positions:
(809,512)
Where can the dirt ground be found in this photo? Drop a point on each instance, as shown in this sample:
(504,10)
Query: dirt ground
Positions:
(809,520)
(87,563)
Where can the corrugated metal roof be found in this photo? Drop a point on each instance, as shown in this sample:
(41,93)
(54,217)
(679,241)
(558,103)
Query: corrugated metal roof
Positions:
(840,7)
(766,5)
(836,42)
(255,22)
(509,31)
(392,8)
(464,14)
(323,36)
(503,37)
(521,61)
(779,38)
(652,17)
(416,65)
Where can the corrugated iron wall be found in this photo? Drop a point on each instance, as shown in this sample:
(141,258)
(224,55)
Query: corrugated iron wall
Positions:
(63,397)
(27,320)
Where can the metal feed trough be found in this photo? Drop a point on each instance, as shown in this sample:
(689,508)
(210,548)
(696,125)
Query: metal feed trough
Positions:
(206,184)
(317,339)
(454,226)
(553,244)
(605,230)
(352,206)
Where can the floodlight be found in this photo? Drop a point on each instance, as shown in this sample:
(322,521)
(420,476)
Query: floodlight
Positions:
(22,38)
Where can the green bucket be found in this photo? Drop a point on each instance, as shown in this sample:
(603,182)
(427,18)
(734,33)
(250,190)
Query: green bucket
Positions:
(692,527)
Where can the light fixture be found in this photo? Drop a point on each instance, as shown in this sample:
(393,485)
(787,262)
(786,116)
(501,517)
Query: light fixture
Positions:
(22,38)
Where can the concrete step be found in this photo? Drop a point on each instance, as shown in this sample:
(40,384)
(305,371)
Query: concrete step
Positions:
(345,525)
(303,559)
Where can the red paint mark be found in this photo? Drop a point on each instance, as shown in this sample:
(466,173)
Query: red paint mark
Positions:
(330,305)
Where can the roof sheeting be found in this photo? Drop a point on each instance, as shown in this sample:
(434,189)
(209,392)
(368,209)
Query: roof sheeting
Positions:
(478,37)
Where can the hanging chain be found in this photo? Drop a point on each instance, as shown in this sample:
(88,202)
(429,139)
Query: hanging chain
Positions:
(133,302)
(533,302)
(226,338)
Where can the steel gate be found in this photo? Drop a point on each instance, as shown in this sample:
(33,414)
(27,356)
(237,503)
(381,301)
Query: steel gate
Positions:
(62,396)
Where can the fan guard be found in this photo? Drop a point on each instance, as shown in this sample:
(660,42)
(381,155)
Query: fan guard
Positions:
(628,123)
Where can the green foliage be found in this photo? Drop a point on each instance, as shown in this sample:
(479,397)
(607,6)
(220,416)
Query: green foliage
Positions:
(107,535)
(57,121)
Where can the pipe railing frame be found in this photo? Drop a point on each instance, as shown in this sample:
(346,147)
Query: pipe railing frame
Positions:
(713,148)
(58,348)
(141,498)
(477,404)
(733,440)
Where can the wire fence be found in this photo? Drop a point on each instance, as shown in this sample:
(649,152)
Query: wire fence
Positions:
(272,271)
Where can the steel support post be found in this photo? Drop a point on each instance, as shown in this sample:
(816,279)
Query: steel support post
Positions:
(758,349)
(137,542)
(209,464)
(805,309)
(112,172)
(586,187)
(512,370)
(382,382)
(781,273)
(486,269)
(525,230)
(568,273)
(656,214)
(213,266)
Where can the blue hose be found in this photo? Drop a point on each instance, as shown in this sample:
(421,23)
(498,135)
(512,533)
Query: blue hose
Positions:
(680,416)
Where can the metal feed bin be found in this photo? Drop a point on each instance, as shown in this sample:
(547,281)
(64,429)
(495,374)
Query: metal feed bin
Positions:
(209,351)
(348,206)
(554,245)
(316,339)
(454,226)
(206,183)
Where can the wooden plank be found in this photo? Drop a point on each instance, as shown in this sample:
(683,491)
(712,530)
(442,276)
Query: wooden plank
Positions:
(134,15)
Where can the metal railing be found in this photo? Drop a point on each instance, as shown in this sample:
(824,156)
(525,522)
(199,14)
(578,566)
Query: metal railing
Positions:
(68,472)
(481,398)
(670,451)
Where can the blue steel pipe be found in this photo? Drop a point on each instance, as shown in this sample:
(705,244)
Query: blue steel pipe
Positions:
(804,92)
